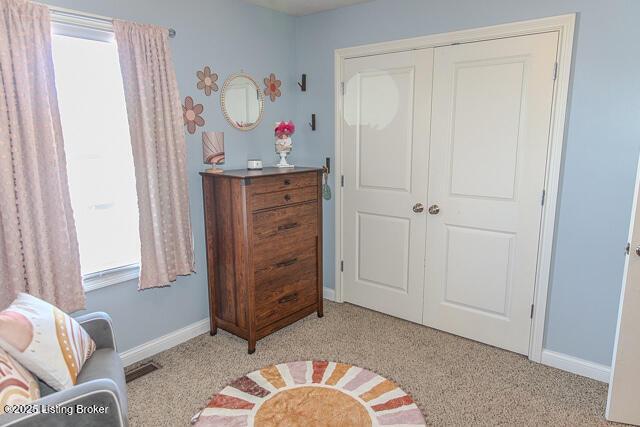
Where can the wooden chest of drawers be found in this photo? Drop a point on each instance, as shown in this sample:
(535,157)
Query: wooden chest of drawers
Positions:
(264,249)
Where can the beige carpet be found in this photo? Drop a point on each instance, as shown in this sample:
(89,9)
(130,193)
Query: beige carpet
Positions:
(456,381)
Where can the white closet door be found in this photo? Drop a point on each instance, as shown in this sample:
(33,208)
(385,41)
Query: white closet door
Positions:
(489,136)
(624,387)
(385,156)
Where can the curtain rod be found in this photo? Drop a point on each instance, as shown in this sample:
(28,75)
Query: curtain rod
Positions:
(84,19)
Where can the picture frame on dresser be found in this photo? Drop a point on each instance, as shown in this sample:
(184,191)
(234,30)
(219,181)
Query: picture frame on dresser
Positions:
(264,249)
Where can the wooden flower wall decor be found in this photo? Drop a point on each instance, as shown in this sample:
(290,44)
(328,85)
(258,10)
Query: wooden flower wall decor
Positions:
(192,115)
(207,81)
(272,89)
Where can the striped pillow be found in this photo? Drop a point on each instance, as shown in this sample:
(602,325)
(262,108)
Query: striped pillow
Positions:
(45,340)
(17,385)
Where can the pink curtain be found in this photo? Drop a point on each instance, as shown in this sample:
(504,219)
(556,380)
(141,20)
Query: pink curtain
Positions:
(38,243)
(157,138)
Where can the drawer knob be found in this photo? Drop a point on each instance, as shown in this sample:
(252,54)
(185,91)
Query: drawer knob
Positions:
(287,197)
(287,182)
(287,226)
(288,298)
(287,262)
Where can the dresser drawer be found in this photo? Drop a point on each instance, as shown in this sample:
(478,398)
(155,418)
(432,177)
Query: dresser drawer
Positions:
(293,222)
(274,262)
(290,181)
(285,300)
(284,198)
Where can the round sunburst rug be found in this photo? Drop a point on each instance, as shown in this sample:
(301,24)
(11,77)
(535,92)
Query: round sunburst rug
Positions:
(310,393)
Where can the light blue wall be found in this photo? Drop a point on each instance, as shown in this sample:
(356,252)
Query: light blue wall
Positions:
(603,137)
(230,36)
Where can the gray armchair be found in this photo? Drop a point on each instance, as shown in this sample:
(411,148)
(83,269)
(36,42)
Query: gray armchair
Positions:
(101,388)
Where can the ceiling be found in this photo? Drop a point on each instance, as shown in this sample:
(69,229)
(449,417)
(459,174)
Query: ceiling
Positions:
(304,7)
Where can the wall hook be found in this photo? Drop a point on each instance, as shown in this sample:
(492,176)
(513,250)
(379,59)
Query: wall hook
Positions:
(303,83)
(313,122)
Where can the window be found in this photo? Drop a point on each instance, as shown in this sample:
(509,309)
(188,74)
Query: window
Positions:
(98,151)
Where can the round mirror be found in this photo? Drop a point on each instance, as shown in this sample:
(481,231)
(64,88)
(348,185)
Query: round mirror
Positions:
(242,102)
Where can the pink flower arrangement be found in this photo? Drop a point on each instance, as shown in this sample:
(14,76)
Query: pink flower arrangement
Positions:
(284,129)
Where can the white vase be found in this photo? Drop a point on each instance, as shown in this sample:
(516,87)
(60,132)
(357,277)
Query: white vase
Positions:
(283,160)
(283,148)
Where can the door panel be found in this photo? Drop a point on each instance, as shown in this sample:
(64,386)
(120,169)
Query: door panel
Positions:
(482,257)
(377,265)
(381,123)
(624,386)
(489,136)
(385,152)
(486,170)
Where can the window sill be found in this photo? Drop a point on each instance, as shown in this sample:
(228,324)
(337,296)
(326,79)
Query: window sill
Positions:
(110,277)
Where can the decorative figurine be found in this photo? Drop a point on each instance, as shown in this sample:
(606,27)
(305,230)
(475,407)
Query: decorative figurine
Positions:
(283,132)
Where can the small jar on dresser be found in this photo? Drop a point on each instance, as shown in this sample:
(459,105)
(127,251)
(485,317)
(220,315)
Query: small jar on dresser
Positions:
(264,249)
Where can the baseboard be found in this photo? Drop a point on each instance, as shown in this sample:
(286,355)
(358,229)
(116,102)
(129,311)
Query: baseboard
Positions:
(551,358)
(329,294)
(165,342)
(576,365)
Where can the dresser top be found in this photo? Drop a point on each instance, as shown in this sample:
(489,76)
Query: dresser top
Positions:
(269,171)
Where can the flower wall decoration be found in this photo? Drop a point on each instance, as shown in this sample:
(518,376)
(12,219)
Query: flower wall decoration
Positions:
(207,81)
(191,114)
(272,89)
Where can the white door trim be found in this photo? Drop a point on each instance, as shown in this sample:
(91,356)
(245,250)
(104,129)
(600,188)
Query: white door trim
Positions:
(565,26)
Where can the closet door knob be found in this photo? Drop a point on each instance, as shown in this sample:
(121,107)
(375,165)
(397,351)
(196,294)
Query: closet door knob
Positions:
(434,209)
(418,207)
(638,251)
